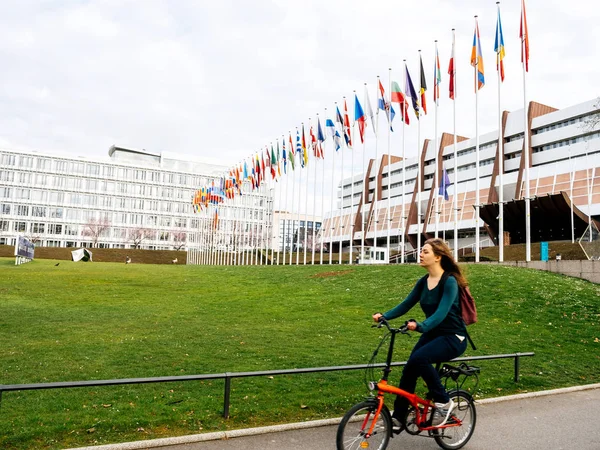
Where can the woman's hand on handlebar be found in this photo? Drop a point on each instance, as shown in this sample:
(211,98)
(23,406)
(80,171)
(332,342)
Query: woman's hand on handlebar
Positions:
(377,317)
(411,325)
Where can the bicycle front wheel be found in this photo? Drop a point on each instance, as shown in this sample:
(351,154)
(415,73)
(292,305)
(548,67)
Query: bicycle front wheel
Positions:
(456,437)
(353,431)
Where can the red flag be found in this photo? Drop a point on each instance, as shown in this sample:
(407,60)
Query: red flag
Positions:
(524,35)
(452,70)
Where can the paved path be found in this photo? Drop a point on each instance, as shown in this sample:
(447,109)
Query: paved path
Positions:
(568,420)
(564,421)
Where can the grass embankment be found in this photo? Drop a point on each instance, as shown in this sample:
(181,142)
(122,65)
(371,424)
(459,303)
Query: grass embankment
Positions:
(85,321)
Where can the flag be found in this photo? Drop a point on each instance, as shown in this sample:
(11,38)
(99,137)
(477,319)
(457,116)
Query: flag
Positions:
(410,91)
(444,183)
(292,154)
(304,154)
(368,109)
(320,138)
(313,141)
(386,106)
(359,116)
(245,171)
(284,155)
(299,147)
(340,120)
(398,97)
(273,162)
(437,78)
(278,160)
(423,87)
(499,47)
(477,58)
(347,126)
(452,71)
(524,35)
(335,135)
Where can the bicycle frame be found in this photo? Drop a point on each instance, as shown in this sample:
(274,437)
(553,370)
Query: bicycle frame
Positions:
(414,400)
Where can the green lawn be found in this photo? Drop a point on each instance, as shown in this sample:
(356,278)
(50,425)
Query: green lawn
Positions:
(86,321)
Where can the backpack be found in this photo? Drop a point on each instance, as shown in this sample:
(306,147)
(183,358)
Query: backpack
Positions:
(466,302)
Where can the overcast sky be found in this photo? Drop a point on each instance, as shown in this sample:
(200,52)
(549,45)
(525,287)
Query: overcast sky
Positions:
(222,79)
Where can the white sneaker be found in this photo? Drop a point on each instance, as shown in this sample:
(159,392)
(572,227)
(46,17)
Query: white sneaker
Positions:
(397,426)
(442,413)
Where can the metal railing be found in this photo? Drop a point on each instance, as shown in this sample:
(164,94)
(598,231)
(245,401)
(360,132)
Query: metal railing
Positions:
(228,376)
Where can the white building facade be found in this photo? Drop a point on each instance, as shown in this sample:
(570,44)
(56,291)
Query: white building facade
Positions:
(132,199)
(564,149)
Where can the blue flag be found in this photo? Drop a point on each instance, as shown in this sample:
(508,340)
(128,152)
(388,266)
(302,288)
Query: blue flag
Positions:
(444,183)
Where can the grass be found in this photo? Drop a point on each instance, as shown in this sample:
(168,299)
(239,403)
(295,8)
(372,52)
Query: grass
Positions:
(88,321)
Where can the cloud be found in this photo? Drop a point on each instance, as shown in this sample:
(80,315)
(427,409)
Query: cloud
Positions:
(224,79)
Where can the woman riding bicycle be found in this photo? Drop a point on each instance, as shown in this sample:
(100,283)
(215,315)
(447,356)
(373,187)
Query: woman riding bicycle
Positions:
(444,332)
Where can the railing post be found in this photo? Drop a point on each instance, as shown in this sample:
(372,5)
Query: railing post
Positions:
(227,395)
(517,366)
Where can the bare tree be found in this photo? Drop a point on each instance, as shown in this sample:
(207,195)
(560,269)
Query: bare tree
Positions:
(137,235)
(179,240)
(591,122)
(95,228)
(33,238)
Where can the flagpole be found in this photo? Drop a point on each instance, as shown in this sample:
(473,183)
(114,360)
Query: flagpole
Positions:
(314,205)
(389,177)
(403,107)
(299,151)
(351,221)
(341,222)
(364,186)
(419,175)
(376,166)
(332,196)
(322,144)
(500,148)
(454,149)
(305,149)
(526,140)
(477,200)
(437,168)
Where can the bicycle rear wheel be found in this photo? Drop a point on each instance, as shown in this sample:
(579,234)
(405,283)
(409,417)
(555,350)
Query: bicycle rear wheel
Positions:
(453,438)
(353,429)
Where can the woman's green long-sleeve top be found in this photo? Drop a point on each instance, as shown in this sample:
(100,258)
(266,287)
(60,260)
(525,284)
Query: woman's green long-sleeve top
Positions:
(442,315)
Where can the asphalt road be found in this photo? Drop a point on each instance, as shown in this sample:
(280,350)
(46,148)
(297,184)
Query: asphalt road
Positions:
(560,421)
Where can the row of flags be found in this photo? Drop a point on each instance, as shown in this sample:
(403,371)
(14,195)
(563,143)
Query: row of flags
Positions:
(275,160)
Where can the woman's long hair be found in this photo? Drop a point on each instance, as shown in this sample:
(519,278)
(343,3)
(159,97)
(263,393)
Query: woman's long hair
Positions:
(447,262)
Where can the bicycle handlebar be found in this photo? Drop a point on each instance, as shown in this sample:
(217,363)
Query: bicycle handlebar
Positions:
(383,322)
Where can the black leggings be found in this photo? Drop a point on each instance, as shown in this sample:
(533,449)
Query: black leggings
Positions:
(429,350)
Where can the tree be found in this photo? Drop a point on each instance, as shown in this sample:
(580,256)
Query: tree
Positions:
(33,238)
(138,235)
(95,228)
(179,240)
(591,122)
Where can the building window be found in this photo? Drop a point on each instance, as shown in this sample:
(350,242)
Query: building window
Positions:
(55,228)
(71,230)
(22,210)
(5,175)
(38,211)
(20,227)
(37,228)
(8,160)
(5,208)
(56,213)
(4,224)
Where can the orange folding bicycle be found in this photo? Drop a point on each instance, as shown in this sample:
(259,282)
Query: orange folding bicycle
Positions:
(368,424)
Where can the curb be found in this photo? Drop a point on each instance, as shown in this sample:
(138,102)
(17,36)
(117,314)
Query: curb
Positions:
(163,442)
